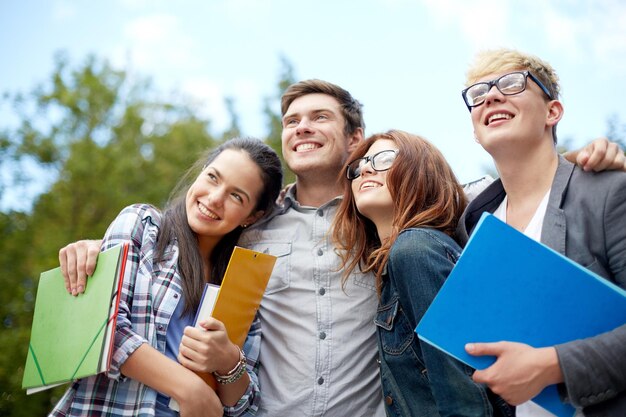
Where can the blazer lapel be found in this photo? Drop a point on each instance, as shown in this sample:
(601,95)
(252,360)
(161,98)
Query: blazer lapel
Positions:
(554,223)
(487,201)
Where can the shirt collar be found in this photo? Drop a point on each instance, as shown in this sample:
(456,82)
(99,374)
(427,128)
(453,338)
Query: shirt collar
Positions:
(290,201)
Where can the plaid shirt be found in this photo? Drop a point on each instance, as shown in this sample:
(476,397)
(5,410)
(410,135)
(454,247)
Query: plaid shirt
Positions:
(149,296)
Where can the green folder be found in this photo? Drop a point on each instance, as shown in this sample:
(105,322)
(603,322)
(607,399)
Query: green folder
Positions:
(72,337)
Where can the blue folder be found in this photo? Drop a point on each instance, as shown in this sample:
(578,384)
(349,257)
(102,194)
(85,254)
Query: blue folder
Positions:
(506,286)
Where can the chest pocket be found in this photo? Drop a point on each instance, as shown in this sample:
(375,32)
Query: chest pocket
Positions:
(393,328)
(281,274)
(364,280)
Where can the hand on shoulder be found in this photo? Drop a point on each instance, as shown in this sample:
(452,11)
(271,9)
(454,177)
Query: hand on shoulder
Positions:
(599,155)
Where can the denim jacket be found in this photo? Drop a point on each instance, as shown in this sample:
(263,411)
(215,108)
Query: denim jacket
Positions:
(418,379)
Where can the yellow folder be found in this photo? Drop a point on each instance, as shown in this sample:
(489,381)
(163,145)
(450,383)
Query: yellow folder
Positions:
(241,292)
(237,300)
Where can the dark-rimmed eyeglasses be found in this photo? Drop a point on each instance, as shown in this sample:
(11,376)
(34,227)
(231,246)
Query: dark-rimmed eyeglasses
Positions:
(380,161)
(508,84)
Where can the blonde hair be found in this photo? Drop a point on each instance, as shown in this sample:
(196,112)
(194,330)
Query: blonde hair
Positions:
(503,59)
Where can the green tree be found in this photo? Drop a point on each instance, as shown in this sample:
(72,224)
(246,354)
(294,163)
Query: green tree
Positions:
(616,130)
(16,297)
(274,119)
(234,130)
(105,142)
(95,140)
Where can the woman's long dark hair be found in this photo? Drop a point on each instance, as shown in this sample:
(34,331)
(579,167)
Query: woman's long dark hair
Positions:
(174,225)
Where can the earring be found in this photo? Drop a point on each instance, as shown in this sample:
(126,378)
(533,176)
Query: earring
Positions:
(244,226)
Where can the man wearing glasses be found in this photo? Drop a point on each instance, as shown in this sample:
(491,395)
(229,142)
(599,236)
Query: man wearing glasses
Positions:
(513,102)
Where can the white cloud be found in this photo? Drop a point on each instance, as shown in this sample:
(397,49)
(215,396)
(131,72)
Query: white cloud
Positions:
(62,11)
(249,10)
(560,30)
(483,23)
(208,98)
(248,96)
(157,41)
(151,28)
(136,4)
(608,33)
(582,29)
(589,31)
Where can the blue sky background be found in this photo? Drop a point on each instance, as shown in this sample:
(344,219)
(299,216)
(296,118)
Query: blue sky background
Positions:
(404,60)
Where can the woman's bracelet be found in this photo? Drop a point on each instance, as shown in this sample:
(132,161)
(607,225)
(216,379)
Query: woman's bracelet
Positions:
(235,373)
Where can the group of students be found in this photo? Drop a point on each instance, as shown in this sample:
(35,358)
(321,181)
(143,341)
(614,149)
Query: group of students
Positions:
(364,239)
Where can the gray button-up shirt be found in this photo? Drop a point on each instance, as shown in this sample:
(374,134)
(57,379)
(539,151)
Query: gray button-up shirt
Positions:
(318,351)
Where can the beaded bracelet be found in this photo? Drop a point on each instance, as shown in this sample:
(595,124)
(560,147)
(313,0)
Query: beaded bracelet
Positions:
(235,373)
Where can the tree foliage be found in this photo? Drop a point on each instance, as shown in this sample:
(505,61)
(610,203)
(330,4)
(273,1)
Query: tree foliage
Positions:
(104,143)
(274,119)
(616,131)
(95,139)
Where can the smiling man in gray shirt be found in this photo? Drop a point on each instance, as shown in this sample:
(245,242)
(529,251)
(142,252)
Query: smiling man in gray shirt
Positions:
(318,351)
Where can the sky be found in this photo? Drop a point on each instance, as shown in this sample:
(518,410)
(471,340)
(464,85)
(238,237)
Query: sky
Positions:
(405,60)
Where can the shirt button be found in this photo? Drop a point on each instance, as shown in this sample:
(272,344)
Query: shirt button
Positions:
(322,291)
(320,252)
(388,400)
(320,213)
(175,295)
(320,380)
(322,335)
(160,327)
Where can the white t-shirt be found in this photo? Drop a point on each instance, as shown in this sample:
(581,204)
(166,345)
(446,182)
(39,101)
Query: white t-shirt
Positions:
(533,231)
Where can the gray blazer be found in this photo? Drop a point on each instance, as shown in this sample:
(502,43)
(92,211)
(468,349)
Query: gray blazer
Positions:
(585,221)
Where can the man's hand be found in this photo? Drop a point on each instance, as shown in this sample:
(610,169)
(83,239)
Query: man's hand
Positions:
(208,349)
(520,371)
(78,260)
(599,155)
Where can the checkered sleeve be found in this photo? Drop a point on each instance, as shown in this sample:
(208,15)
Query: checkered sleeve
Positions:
(129,225)
(248,404)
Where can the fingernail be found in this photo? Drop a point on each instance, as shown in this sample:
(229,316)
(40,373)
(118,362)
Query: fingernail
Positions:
(469,347)
(81,288)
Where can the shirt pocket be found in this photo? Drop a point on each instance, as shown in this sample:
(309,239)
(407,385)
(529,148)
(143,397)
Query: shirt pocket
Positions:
(396,335)
(364,280)
(281,274)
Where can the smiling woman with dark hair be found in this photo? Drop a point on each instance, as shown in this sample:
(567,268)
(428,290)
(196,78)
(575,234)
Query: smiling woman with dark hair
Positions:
(172,255)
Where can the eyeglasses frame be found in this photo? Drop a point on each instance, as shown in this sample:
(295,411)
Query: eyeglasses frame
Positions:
(493,83)
(369,159)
